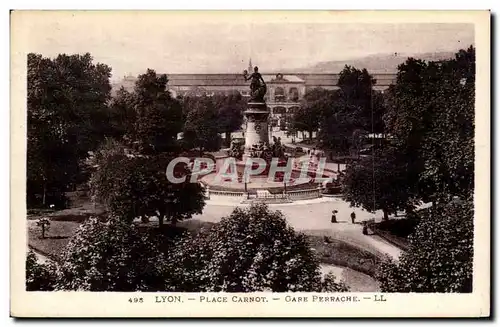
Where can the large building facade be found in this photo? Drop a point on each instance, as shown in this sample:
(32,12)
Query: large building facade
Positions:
(284,91)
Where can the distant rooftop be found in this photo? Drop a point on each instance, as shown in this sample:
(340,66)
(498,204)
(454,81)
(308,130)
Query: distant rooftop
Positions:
(237,81)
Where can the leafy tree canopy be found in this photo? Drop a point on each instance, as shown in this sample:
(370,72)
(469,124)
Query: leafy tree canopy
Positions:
(431,115)
(134,186)
(251,250)
(201,129)
(440,258)
(313,107)
(380,183)
(67,117)
(158,116)
(357,90)
(230,113)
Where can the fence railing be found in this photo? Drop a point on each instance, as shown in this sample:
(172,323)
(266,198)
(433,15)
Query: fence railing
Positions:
(289,195)
(305,194)
(224,193)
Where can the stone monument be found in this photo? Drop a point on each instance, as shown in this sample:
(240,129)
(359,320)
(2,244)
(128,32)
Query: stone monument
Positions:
(257,113)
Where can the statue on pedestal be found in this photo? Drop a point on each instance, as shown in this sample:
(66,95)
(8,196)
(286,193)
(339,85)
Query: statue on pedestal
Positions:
(258,87)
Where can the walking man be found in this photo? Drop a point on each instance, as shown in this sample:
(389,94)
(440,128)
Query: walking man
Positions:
(353,217)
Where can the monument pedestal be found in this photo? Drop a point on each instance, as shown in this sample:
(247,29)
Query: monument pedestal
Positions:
(257,130)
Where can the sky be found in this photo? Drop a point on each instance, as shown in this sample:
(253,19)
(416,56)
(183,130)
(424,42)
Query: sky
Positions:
(131,43)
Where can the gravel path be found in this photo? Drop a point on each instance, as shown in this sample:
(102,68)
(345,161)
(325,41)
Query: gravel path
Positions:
(356,281)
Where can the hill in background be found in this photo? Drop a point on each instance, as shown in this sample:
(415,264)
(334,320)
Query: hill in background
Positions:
(383,63)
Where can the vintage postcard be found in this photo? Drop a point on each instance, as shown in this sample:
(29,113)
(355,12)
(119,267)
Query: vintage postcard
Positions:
(250,164)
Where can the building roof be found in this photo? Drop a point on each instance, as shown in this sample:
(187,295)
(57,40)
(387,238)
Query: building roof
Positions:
(205,79)
(223,79)
(279,78)
(237,80)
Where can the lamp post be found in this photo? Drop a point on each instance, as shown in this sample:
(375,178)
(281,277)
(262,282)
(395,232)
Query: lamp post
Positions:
(270,124)
(373,147)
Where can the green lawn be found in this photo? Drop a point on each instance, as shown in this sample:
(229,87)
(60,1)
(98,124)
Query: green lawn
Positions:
(65,226)
(56,238)
(339,253)
(359,282)
(78,214)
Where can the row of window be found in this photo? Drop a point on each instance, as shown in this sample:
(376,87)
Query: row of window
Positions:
(280,96)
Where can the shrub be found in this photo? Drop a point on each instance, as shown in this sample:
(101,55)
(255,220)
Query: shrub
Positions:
(112,256)
(39,276)
(440,255)
(251,250)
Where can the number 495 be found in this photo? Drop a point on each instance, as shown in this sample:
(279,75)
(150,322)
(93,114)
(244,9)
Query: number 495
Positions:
(135,300)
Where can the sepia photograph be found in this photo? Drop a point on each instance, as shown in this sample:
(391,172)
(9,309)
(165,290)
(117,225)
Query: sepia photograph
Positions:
(249,158)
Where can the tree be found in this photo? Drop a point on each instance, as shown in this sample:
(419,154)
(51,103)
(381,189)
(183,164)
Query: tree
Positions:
(67,101)
(251,250)
(305,120)
(315,103)
(201,129)
(440,257)
(356,85)
(113,256)
(337,115)
(122,113)
(431,115)
(448,144)
(136,186)
(358,140)
(356,89)
(380,183)
(107,165)
(338,127)
(158,116)
(230,113)
(290,128)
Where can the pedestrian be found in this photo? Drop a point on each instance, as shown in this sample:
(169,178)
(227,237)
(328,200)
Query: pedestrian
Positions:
(334,216)
(353,217)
